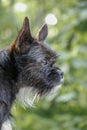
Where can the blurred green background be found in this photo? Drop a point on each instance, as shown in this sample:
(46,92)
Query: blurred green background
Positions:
(67,21)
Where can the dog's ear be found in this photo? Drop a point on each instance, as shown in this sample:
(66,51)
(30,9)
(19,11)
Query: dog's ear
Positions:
(24,39)
(42,34)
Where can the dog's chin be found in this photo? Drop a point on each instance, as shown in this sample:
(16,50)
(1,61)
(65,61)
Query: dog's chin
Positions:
(28,96)
(55,89)
(57,86)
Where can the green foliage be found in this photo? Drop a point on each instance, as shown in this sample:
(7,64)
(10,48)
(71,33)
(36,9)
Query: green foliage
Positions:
(66,110)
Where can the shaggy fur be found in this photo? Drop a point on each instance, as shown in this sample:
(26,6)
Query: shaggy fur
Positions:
(26,66)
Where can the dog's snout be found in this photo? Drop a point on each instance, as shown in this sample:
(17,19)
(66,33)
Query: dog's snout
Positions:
(60,72)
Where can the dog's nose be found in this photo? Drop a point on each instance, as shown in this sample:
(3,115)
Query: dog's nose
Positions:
(61,74)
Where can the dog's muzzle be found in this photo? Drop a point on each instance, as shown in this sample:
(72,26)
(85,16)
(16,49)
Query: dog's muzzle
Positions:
(61,75)
(55,76)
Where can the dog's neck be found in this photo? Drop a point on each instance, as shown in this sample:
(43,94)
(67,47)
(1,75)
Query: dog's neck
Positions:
(8,65)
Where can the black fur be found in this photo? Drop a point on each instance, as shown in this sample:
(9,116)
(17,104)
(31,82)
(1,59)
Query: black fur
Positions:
(27,62)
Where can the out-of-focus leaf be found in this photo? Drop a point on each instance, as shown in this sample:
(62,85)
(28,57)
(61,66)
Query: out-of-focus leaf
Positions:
(82,26)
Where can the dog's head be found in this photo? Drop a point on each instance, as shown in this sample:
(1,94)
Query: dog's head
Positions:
(35,60)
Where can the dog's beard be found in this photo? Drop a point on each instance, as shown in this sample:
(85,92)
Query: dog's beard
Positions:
(6,125)
(28,96)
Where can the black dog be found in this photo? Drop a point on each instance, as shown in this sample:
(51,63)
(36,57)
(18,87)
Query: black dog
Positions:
(28,64)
